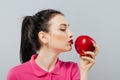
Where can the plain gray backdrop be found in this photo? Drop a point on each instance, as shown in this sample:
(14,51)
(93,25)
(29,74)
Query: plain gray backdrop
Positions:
(98,18)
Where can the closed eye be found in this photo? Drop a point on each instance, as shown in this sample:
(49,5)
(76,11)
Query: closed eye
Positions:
(63,29)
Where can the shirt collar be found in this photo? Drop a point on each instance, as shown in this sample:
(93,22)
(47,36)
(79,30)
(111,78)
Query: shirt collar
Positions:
(39,71)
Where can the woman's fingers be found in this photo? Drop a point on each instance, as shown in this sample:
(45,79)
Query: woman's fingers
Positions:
(88,59)
(90,54)
(96,50)
(88,62)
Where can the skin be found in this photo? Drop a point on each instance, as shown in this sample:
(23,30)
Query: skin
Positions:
(56,41)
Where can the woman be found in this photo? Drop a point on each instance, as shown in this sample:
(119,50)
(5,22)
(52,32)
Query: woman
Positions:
(44,36)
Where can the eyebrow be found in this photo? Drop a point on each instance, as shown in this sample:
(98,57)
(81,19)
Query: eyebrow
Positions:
(67,25)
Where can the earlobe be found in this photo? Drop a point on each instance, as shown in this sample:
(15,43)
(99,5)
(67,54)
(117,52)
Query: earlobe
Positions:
(43,37)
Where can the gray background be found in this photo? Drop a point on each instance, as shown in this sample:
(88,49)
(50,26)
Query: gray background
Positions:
(97,18)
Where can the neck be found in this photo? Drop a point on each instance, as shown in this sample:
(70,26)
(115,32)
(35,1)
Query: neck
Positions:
(46,59)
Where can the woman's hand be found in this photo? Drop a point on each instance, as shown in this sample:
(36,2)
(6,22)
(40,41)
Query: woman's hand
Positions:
(86,62)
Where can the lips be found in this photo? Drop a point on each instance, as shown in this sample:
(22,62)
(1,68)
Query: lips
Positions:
(71,41)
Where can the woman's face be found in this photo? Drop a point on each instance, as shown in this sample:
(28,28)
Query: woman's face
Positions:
(59,35)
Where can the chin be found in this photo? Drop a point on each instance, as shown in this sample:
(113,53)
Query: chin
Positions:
(69,49)
(66,49)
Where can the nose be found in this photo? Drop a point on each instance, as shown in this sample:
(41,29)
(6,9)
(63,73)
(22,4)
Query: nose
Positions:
(70,34)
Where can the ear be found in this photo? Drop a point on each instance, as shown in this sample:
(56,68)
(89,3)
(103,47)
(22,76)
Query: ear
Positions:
(43,37)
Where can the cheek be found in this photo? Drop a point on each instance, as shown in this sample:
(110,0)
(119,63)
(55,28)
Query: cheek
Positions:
(60,38)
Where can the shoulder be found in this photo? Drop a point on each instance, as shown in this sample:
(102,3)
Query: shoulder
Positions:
(16,70)
(24,67)
(20,67)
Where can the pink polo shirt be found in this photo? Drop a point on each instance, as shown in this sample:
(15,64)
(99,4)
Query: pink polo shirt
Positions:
(31,71)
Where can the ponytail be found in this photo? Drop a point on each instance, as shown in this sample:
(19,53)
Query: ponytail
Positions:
(26,47)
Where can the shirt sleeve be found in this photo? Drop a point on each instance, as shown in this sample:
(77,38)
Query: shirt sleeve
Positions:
(75,72)
(11,75)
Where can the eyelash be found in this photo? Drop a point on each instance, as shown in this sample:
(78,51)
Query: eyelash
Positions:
(63,29)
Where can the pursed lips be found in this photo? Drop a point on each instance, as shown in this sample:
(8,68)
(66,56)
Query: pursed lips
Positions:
(71,41)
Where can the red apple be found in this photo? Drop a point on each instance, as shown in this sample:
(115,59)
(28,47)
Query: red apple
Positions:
(84,43)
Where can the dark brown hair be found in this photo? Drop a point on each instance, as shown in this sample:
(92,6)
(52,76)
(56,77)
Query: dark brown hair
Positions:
(31,26)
